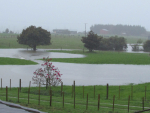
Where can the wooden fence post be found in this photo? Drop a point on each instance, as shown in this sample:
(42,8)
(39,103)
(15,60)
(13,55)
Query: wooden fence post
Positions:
(61,88)
(28,95)
(18,94)
(87,102)
(74,94)
(119,92)
(63,99)
(72,91)
(29,85)
(131,92)
(20,84)
(143,103)
(128,102)
(39,94)
(145,93)
(83,91)
(94,91)
(6,94)
(10,84)
(50,97)
(98,101)
(107,92)
(46,83)
(1,83)
(113,101)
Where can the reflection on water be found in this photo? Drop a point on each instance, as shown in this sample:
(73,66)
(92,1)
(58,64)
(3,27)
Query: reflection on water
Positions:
(83,74)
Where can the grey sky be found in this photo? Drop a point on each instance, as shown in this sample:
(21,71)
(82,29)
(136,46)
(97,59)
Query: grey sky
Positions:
(72,14)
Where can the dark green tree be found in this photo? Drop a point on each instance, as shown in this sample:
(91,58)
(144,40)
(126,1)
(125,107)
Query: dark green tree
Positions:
(119,43)
(92,41)
(146,45)
(113,43)
(7,31)
(33,37)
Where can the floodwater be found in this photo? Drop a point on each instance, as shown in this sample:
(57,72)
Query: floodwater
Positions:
(83,74)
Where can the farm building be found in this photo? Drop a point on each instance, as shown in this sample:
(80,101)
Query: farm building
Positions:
(104,31)
(61,31)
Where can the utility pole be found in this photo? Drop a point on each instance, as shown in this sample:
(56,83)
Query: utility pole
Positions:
(85,29)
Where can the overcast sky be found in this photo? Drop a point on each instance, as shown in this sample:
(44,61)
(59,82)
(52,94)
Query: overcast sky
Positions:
(72,14)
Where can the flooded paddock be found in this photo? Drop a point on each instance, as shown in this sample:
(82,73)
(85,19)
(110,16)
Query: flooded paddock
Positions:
(83,74)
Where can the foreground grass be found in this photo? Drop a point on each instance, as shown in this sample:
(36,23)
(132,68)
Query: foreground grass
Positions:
(106,105)
(15,61)
(106,57)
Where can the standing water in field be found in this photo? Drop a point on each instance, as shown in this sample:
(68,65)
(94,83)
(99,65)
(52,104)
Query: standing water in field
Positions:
(83,74)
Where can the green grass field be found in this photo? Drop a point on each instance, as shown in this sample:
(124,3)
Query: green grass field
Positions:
(15,61)
(98,57)
(106,57)
(58,41)
(136,92)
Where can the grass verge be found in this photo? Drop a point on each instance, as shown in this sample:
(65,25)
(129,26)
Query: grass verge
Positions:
(15,61)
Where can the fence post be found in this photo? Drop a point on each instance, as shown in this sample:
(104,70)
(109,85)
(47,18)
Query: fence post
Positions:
(6,94)
(29,86)
(131,92)
(98,101)
(63,99)
(113,101)
(20,84)
(83,91)
(87,102)
(18,94)
(10,84)
(145,93)
(50,97)
(128,102)
(46,83)
(94,91)
(39,94)
(61,88)
(1,83)
(107,92)
(28,95)
(72,91)
(143,103)
(119,92)
(74,94)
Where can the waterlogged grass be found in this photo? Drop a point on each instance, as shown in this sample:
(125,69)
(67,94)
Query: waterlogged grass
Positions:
(106,105)
(106,57)
(15,61)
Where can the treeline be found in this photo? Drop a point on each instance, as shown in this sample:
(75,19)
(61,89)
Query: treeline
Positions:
(119,29)
(95,42)
(114,43)
(7,31)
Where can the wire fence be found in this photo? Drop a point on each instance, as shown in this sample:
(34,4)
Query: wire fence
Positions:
(76,100)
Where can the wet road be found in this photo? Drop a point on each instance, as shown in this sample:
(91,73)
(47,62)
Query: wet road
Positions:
(7,107)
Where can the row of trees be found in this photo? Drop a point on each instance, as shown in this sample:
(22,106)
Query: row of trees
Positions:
(95,42)
(7,31)
(119,29)
(33,37)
